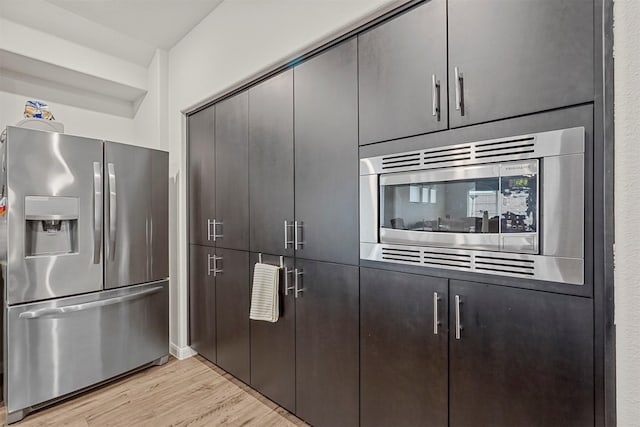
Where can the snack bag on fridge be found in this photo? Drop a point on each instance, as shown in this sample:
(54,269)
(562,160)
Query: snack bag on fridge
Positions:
(37,110)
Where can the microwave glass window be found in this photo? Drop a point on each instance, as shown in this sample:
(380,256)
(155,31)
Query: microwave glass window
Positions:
(467,206)
(519,204)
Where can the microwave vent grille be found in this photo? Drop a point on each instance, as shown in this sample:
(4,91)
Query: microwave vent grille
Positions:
(505,148)
(517,265)
(504,264)
(442,259)
(411,256)
(401,161)
(440,157)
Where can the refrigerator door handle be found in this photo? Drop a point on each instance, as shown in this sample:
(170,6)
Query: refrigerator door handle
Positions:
(113,217)
(34,314)
(97,211)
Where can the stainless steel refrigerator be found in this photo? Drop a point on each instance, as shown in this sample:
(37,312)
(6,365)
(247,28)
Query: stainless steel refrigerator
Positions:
(84,252)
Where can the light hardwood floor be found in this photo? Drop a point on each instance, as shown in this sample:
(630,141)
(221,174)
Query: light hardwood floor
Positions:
(190,392)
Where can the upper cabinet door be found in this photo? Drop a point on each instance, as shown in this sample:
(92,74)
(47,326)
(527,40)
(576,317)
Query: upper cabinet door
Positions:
(232,174)
(201,176)
(403,75)
(326,156)
(508,58)
(127,214)
(271,165)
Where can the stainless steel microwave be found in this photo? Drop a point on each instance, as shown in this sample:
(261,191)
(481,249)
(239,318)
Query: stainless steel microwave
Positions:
(510,206)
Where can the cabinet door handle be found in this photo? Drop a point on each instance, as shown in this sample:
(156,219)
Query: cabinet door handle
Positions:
(287,288)
(215,269)
(297,240)
(215,235)
(209,224)
(459,90)
(296,282)
(435,97)
(436,322)
(287,242)
(458,325)
(209,269)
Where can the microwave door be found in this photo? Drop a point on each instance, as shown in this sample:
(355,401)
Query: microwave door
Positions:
(454,207)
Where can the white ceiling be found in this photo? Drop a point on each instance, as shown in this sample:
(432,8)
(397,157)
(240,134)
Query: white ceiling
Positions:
(128,29)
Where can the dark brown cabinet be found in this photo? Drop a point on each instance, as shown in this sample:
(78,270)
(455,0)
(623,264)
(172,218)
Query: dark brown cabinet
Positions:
(273,364)
(403,75)
(520,357)
(404,349)
(464,62)
(232,173)
(202,208)
(202,302)
(271,165)
(327,343)
(508,58)
(326,155)
(274,171)
(233,300)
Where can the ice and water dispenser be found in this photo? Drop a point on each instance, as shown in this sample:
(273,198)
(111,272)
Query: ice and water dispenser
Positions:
(51,225)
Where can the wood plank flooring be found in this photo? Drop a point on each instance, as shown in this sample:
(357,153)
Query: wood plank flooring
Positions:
(190,392)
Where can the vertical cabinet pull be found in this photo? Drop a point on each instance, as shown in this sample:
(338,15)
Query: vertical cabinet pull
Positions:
(287,241)
(287,271)
(297,234)
(209,269)
(435,97)
(217,224)
(296,282)
(436,322)
(458,325)
(215,270)
(209,225)
(459,90)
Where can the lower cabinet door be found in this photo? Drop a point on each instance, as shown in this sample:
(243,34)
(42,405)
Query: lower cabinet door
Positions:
(273,364)
(327,344)
(519,357)
(202,302)
(403,349)
(233,295)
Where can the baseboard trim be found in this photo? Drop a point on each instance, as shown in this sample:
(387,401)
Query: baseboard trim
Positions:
(181,353)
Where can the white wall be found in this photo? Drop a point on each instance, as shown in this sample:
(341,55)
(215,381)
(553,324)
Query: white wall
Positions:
(240,38)
(627,209)
(83,112)
(77,121)
(150,127)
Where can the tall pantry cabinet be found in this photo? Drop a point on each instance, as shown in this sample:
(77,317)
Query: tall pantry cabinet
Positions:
(286,184)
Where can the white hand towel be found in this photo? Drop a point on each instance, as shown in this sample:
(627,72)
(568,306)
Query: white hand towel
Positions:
(264,295)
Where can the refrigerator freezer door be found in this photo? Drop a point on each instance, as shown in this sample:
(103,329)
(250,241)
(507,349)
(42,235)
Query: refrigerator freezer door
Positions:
(127,214)
(62,346)
(54,215)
